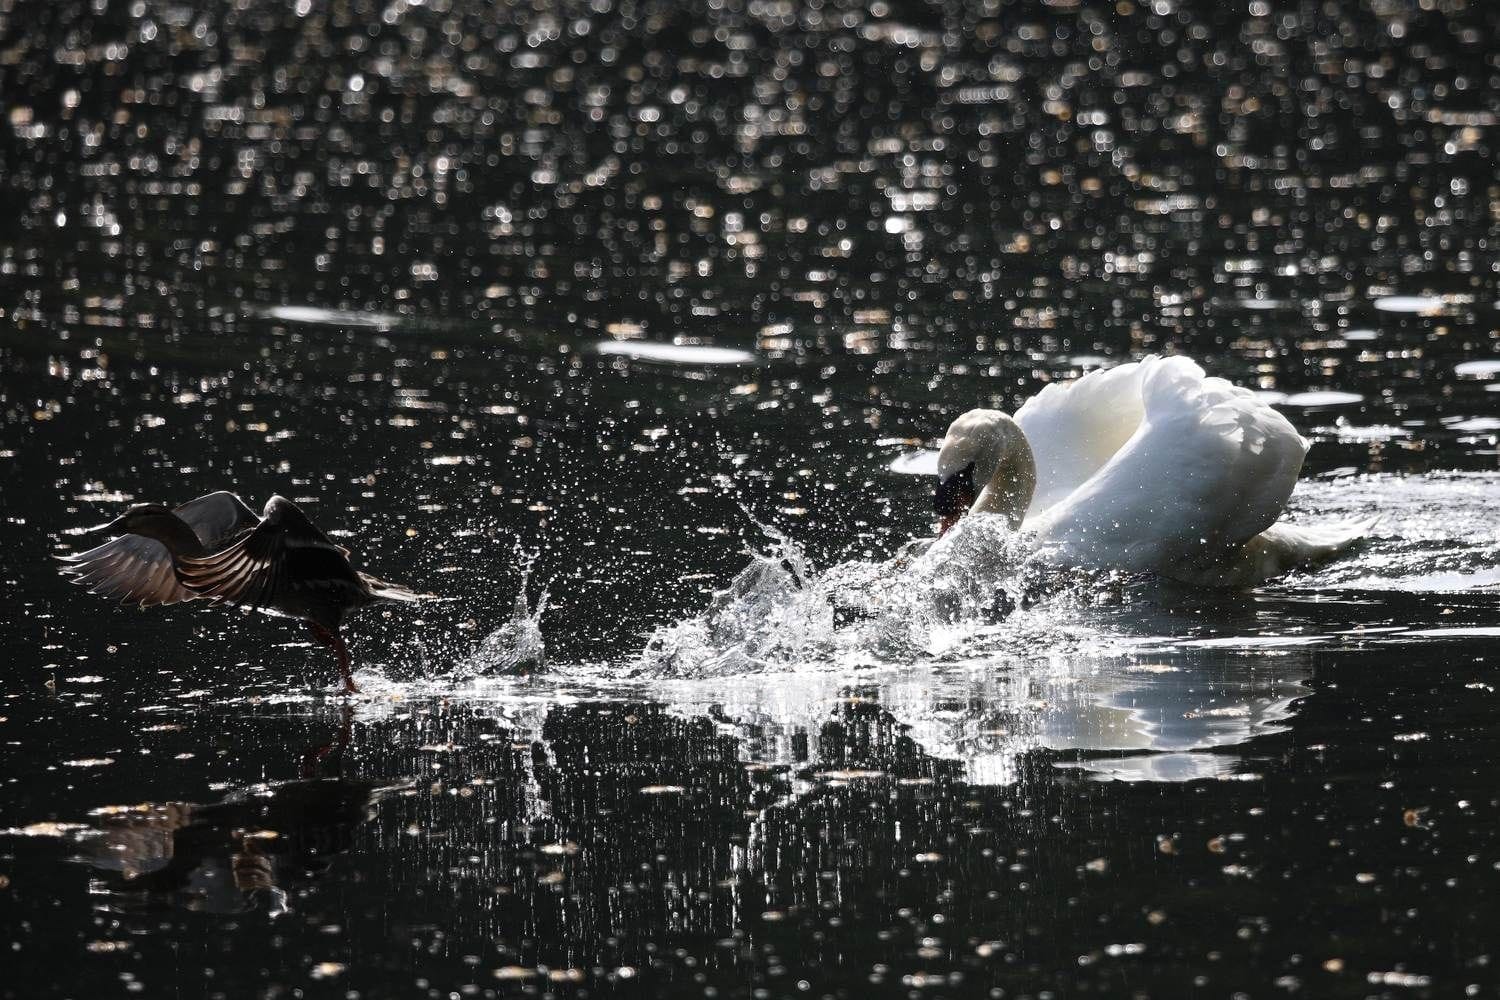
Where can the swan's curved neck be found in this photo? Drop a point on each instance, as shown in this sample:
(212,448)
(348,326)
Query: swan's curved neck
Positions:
(1011,469)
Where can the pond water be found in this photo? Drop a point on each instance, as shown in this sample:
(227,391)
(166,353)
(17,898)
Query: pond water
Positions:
(629,327)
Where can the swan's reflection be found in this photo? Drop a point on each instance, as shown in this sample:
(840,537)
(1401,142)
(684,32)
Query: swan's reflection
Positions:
(1172,697)
(985,720)
(1180,677)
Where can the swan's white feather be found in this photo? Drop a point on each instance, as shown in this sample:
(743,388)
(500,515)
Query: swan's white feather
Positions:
(1153,466)
(1074,428)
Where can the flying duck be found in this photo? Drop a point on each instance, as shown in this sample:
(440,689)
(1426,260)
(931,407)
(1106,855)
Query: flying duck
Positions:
(215,547)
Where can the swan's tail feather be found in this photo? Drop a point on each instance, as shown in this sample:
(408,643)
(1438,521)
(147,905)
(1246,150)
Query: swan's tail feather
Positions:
(1315,542)
(1282,546)
(1278,549)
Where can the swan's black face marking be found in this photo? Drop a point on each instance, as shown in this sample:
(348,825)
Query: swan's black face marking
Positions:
(954,496)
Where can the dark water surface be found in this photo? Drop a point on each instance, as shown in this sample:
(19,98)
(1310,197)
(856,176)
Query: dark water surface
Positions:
(619,291)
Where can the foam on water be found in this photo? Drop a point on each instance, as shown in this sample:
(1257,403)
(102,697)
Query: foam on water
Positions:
(514,649)
(977,594)
(516,646)
(1076,663)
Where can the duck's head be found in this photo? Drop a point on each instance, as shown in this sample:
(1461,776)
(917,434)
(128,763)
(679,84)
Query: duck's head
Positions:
(985,465)
(138,517)
(158,522)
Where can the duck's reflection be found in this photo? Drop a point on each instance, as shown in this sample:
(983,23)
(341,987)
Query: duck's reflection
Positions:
(248,851)
(331,753)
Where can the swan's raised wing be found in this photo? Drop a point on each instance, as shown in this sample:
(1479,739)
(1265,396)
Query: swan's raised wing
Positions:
(131,569)
(285,552)
(1075,427)
(1208,468)
(217,517)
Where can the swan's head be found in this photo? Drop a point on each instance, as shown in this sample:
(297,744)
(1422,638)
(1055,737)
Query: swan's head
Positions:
(985,465)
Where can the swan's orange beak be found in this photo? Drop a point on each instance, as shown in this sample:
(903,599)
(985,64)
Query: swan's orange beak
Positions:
(954,497)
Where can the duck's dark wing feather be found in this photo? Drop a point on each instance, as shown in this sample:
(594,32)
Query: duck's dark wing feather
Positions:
(283,563)
(384,590)
(132,569)
(216,518)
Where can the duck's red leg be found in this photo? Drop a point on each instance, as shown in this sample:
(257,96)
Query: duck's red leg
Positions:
(330,637)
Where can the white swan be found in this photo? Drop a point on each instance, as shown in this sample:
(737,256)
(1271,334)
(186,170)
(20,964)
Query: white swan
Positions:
(1148,467)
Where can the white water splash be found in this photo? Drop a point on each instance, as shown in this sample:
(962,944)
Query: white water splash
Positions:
(958,597)
(517,646)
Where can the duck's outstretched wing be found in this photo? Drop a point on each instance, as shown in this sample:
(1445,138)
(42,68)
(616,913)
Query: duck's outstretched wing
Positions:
(131,569)
(281,559)
(216,518)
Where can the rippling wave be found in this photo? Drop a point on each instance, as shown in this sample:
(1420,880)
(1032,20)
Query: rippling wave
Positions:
(1437,532)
